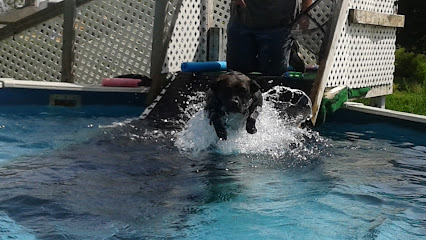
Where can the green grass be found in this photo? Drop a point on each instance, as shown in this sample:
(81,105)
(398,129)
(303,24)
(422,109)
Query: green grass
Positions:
(405,98)
(409,83)
(408,101)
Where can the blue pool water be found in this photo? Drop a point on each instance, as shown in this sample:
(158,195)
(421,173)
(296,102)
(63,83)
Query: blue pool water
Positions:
(26,130)
(80,174)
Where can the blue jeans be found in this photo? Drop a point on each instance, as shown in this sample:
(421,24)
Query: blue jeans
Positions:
(253,50)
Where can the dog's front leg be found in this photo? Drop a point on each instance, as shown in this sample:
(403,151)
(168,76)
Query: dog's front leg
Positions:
(216,120)
(251,122)
(254,110)
(215,115)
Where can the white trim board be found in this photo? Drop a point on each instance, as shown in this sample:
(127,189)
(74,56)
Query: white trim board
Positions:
(359,107)
(12,83)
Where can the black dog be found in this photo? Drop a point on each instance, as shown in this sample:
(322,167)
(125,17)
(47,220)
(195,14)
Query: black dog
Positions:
(233,92)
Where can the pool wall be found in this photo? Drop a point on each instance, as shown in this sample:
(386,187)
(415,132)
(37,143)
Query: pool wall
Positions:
(20,92)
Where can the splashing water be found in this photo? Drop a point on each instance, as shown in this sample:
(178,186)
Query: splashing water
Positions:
(284,109)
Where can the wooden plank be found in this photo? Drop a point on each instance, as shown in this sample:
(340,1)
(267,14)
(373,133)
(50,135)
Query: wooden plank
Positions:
(330,94)
(210,13)
(68,40)
(385,112)
(15,15)
(215,44)
(53,10)
(376,18)
(336,26)
(12,83)
(160,44)
(377,91)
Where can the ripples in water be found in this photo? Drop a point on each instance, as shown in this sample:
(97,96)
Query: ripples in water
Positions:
(131,182)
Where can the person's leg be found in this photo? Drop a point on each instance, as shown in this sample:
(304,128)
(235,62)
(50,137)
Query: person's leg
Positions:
(274,51)
(241,49)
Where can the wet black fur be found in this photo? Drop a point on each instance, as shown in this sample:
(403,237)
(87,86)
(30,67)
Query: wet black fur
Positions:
(233,92)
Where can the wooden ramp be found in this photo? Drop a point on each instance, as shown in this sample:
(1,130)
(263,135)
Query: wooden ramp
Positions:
(166,110)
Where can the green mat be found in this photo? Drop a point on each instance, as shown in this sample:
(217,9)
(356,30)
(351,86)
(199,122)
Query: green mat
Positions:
(330,106)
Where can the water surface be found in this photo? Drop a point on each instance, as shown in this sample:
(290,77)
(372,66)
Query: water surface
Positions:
(341,181)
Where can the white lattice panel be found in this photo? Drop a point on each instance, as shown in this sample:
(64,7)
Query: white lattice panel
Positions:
(34,54)
(4,6)
(171,9)
(12,3)
(220,16)
(310,42)
(365,54)
(189,39)
(113,38)
(308,57)
(221,13)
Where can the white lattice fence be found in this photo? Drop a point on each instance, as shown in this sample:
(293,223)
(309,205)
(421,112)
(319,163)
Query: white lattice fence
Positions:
(189,39)
(310,42)
(4,7)
(221,13)
(33,54)
(220,17)
(113,38)
(365,54)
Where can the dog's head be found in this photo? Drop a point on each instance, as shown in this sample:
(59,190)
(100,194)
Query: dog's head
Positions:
(234,91)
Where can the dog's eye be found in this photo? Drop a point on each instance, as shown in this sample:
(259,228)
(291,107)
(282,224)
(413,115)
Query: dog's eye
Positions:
(243,90)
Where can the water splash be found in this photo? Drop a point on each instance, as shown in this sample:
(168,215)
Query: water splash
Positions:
(278,134)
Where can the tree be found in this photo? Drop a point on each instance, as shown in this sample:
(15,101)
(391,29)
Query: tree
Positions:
(413,35)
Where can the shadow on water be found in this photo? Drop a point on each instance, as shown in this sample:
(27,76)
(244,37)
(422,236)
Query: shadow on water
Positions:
(129,182)
(133,181)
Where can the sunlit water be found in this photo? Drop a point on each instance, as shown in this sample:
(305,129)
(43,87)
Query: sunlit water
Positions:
(126,181)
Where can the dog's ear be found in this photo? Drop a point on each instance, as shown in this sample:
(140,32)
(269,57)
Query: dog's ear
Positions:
(254,86)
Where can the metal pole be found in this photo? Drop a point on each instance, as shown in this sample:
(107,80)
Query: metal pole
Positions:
(68,40)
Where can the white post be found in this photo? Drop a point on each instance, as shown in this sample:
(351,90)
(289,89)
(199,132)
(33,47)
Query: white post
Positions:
(379,102)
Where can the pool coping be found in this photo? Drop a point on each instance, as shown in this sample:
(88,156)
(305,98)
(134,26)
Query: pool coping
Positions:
(13,83)
(359,107)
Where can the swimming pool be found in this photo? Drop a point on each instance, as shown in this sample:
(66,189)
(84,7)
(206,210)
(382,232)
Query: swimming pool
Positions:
(26,130)
(87,176)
